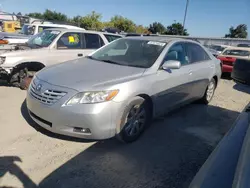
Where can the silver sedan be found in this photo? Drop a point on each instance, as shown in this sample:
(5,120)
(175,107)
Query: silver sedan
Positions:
(118,89)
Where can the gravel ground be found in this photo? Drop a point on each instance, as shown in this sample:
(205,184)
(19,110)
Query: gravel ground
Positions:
(168,155)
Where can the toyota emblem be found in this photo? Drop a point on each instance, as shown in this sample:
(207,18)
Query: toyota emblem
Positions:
(39,87)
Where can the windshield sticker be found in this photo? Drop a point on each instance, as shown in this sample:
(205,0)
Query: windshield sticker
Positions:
(156,43)
(71,39)
(55,32)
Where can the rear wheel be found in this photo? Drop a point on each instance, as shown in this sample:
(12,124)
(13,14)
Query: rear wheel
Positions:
(136,118)
(208,96)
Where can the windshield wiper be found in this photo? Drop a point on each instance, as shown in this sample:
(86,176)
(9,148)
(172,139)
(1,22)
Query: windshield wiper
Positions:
(139,66)
(109,61)
(89,57)
(104,60)
(38,45)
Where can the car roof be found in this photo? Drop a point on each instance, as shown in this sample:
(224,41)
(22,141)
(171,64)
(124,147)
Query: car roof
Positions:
(55,25)
(222,45)
(237,48)
(161,39)
(81,30)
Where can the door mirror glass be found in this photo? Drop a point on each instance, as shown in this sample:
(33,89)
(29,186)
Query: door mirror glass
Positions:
(171,64)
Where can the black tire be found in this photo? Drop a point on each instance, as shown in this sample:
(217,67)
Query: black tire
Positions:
(14,79)
(18,76)
(208,96)
(140,104)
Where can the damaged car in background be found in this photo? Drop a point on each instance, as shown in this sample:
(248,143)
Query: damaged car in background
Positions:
(47,48)
(229,56)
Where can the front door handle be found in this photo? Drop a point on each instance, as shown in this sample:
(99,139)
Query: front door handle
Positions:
(212,66)
(80,55)
(190,73)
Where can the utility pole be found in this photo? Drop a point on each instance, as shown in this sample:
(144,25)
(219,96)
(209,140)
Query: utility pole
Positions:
(185,15)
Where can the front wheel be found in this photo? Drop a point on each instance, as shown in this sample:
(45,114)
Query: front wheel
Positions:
(208,96)
(21,78)
(136,118)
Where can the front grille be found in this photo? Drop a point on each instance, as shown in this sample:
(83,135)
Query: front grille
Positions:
(48,96)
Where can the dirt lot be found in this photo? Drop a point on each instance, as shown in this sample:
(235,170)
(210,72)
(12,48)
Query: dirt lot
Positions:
(168,155)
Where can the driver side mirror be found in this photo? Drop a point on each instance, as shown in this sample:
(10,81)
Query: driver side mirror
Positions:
(171,64)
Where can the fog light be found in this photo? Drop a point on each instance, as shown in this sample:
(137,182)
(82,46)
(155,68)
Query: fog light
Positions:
(81,130)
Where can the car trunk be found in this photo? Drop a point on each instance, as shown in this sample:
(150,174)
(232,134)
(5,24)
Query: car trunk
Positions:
(227,60)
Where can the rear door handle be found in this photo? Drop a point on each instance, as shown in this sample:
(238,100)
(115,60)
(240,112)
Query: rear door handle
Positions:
(80,55)
(190,73)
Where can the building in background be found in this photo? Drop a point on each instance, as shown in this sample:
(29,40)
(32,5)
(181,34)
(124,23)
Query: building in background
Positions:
(214,41)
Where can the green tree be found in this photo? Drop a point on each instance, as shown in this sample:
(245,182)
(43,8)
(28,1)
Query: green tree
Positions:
(239,32)
(176,29)
(123,24)
(36,15)
(49,15)
(76,20)
(92,21)
(107,25)
(141,29)
(53,15)
(156,27)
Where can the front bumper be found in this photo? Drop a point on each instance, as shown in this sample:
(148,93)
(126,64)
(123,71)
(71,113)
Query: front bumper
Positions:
(101,118)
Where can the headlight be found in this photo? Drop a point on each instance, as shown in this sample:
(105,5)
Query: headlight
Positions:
(91,97)
(2,60)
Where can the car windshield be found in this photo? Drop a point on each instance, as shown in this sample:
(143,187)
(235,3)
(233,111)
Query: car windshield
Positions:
(43,39)
(217,48)
(236,52)
(244,45)
(129,52)
(111,38)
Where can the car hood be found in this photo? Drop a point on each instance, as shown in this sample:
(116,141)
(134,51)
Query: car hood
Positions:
(5,35)
(86,74)
(23,52)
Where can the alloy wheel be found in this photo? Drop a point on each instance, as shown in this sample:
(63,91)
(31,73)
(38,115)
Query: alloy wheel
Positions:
(135,120)
(210,90)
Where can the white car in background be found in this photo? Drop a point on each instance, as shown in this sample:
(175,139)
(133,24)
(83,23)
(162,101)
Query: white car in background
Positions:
(50,47)
(28,30)
(35,28)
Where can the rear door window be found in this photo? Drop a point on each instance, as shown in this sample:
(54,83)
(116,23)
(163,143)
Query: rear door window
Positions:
(196,53)
(93,41)
(70,40)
